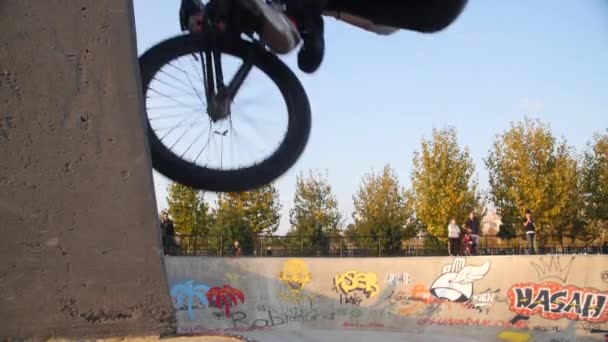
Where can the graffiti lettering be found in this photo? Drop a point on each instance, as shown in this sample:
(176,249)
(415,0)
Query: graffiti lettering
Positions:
(297,298)
(555,301)
(270,319)
(353,280)
(548,329)
(360,325)
(189,291)
(429,321)
(350,299)
(397,279)
(604,276)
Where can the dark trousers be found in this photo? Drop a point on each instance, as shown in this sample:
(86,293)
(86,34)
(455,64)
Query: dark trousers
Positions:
(454,246)
(417,15)
(530,238)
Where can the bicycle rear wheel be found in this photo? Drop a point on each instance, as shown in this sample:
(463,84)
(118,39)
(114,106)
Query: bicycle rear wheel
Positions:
(187,158)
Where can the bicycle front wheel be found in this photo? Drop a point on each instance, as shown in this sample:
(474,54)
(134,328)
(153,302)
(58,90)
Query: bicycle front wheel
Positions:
(254,145)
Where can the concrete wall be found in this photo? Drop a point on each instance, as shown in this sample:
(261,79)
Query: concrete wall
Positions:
(501,298)
(79,252)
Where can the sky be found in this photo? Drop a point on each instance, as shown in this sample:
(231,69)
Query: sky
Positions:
(375,97)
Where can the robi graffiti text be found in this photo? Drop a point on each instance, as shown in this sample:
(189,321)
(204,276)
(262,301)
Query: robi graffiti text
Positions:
(554,301)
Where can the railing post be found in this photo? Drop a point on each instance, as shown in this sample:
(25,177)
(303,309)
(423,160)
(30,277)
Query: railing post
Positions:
(221,244)
(301,245)
(379,248)
(341,245)
(261,245)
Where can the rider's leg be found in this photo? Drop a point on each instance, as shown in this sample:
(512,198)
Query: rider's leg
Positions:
(277,31)
(307,15)
(417,15)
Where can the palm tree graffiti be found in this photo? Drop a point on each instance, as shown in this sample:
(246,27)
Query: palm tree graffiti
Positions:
(225,297)
(190,291)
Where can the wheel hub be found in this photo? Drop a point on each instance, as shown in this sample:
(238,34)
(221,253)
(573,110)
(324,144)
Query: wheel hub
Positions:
(220,106)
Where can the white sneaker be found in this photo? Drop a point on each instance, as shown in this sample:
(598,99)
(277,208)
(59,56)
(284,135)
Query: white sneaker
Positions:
(278,32)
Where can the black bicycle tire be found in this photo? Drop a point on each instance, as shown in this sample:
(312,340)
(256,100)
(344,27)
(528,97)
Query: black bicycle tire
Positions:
(271,168)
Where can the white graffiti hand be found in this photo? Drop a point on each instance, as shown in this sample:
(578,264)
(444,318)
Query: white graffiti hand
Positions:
(469,274)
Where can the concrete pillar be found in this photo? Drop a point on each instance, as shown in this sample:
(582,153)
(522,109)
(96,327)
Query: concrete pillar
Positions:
(80,248)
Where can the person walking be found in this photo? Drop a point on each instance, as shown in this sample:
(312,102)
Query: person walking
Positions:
(474,230)
(453,238)
(530,231)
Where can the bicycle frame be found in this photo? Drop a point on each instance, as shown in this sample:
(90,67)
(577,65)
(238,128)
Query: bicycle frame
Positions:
(219,96)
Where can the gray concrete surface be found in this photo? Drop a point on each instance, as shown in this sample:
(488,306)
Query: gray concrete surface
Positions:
(79,253)
(484,298)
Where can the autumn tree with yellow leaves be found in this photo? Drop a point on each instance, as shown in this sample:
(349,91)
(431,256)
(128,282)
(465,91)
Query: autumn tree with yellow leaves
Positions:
(530,169)
(383,214)
(443,183)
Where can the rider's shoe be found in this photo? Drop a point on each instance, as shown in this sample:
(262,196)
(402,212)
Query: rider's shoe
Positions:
(312,51)
(276,31)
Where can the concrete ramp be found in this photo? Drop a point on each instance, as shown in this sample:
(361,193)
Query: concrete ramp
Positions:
(499,298)
(79,246)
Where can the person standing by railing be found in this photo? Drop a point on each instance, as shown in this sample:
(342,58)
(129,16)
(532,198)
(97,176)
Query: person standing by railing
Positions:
(530,231)
(474,230)
(167,232)
(236,249)
(453,238)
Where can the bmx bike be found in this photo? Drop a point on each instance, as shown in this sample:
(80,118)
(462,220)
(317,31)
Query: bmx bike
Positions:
(192,86)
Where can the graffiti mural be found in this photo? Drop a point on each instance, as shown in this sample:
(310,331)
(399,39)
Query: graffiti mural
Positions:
(295,275)
(225,297)
(553,269)
(352,280)
(554,301)
(352,283)
(393,279)
(189,292)
(456,281)
(486,298)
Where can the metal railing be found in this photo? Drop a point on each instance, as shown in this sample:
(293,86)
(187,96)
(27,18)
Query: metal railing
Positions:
(366,246)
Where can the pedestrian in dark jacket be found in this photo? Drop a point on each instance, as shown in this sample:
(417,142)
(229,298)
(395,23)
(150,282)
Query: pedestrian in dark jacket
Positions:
(474,227)
(530,230)
(168,233)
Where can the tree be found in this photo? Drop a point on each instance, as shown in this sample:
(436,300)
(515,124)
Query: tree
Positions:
(315,215)
(443,186)
(595,184)
(188,209)
(242,216)
(530,169)
(190,214)
(383,214)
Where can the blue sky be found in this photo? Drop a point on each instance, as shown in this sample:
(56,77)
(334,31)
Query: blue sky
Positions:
(376,97)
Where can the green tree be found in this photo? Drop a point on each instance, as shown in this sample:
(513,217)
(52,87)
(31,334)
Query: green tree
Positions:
(190,214)
(383,214)
(188,209)
(530,169)
(595,184)
(443,186)
(315,215)
(243,216)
